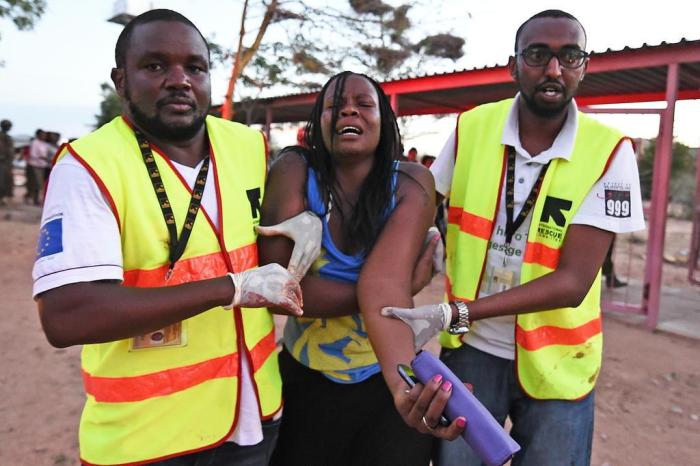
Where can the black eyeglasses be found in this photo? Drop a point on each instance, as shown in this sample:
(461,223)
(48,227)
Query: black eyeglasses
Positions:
(568,57)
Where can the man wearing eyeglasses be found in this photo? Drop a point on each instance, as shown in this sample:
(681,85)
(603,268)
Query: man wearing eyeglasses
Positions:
(537,192)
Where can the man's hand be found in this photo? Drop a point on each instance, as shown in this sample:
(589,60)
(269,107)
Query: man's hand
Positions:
(305,230)
(422,406)
(268,286)
(429,263)
(425,321)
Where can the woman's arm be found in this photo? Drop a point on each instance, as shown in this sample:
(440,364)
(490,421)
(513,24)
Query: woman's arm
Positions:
(385,280)
(285,197)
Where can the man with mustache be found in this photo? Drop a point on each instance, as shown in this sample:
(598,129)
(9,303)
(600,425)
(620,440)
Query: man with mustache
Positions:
(147,256)
(537,192)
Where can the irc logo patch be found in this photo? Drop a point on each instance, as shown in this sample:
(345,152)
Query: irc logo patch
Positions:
(50,238)
(254,199)
(554,208)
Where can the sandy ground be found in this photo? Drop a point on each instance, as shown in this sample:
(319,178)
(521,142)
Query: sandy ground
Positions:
(647,401)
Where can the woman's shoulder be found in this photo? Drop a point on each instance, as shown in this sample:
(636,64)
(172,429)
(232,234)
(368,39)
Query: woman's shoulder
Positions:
(290,157)
(417,173)
(285,187)
(289,164)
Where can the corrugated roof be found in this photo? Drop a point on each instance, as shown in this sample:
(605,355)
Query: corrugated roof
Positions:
(614,76)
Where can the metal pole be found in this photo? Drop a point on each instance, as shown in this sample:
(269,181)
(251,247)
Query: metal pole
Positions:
(695,232)
(268,122)
(659,201)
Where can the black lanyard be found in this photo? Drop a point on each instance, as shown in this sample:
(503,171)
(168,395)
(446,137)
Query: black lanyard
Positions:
(512,226)
(177,246)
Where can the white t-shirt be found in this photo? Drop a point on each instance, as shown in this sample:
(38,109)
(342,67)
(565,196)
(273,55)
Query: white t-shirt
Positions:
(39,154)
(503,262)
(80,242)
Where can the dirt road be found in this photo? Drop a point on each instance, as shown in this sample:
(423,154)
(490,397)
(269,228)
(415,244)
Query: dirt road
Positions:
(647,401)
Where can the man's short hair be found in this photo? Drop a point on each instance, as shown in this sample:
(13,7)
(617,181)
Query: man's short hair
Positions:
(548,14)
(150,16)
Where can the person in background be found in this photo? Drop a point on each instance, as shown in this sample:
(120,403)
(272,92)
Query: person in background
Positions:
(38,162)
(537,192)
(608,270)
(427,160)
(53,140)
(7,156)
(301,136)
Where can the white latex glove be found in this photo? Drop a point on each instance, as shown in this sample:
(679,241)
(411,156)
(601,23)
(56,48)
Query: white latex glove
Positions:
(305,230)
(425,321)
(439,253)
(268,286)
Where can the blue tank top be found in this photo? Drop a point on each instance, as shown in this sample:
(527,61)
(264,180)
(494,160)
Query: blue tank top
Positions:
(338,347)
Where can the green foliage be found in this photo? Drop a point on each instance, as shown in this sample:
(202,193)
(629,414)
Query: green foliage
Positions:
(682,182)
(382,33)
(312,43)
(373,7)
(110,106)
(23,13)
(441,45)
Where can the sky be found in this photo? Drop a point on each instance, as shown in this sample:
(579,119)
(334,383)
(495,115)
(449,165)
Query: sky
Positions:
(52,74)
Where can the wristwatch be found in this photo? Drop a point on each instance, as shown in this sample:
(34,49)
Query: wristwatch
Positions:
(462,325)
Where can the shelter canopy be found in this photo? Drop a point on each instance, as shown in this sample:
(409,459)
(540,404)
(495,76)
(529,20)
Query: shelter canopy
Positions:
(613,77)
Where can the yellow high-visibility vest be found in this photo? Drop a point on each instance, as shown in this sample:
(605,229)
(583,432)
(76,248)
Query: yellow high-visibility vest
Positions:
(558,352)
(153,401)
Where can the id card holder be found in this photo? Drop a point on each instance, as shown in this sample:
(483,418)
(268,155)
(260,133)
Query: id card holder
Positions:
(171,336)
(502,280)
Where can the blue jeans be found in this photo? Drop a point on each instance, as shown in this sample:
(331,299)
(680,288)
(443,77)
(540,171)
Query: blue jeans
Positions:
(230,454)
(549,432)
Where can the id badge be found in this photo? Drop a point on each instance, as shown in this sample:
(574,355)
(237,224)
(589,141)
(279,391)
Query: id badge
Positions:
(502,280)
(172,335)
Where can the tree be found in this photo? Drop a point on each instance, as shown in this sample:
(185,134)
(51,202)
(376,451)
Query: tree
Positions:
(23,13)
(682,182)
(297,45)
(110,107)
(243,56)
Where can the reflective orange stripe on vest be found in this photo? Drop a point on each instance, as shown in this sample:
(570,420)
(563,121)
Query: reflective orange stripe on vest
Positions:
(245,257)
(469,223)
(538,253)
(532,340)
(167,382)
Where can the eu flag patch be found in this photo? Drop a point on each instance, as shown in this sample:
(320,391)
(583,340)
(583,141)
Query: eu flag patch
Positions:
(50,238)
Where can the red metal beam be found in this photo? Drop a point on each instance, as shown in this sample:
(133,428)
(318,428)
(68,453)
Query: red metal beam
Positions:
(458,79)
(659,200)
(624,111)
(635,98)
(394,101)
(611,61)
(292,100)
(683,52)
(308,99)
(436,110)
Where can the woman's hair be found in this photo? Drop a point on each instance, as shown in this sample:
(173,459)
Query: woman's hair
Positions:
(371,210)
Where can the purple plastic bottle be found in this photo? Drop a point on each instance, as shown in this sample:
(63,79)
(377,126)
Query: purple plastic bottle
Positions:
(483,433)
